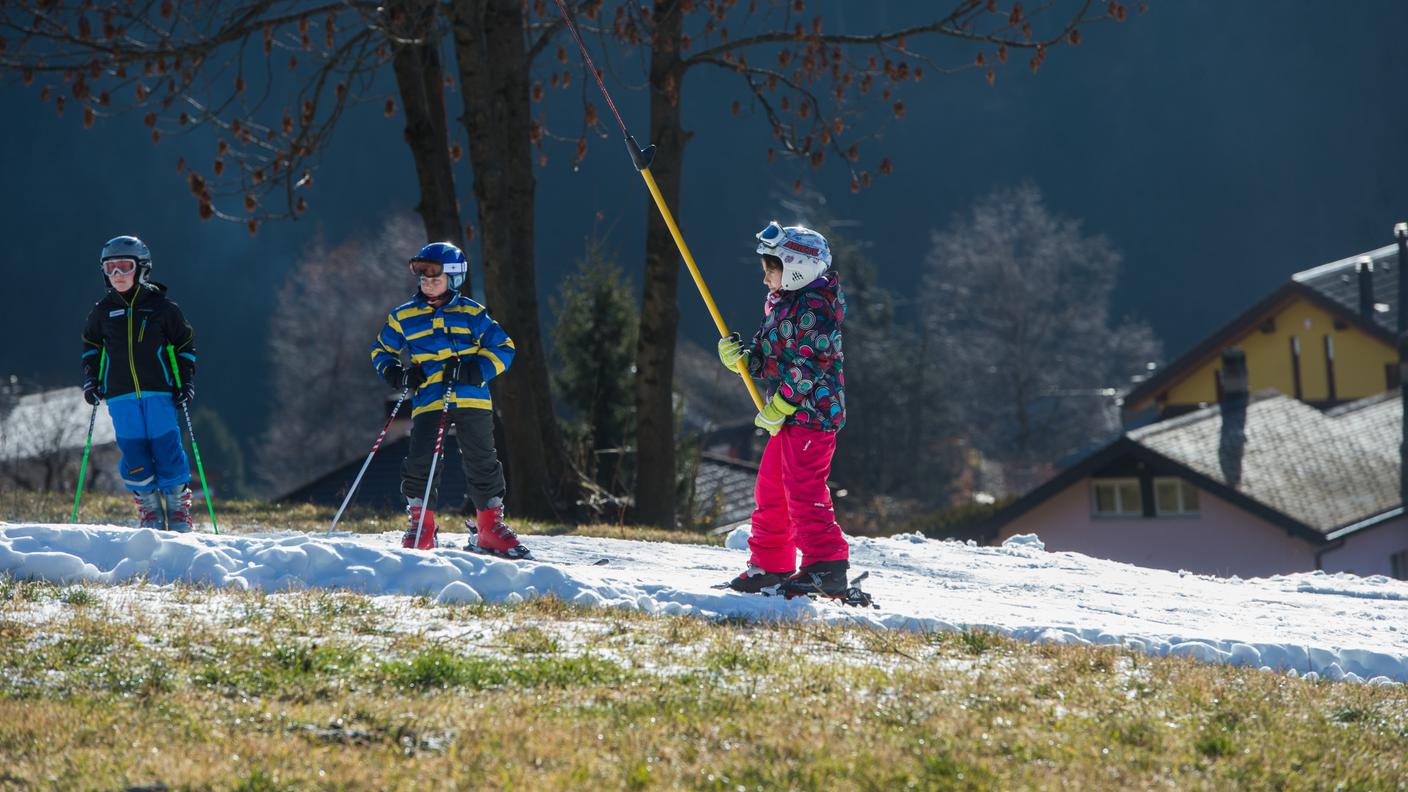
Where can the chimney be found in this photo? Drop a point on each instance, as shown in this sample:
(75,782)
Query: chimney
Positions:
(1403,402)
(1232,440)
(1234,376)
(1365,268)
(1400,235)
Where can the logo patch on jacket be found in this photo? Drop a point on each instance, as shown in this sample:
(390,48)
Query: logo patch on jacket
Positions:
(118,312)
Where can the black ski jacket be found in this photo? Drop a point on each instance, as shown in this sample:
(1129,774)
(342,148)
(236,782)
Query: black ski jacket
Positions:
(136,335)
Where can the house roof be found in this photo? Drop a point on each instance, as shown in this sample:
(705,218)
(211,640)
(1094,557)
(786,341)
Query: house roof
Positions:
(1324,470)
(724,486)
(54,420)
(1316,474)
(380,487)
(1333,287)
(1339,281)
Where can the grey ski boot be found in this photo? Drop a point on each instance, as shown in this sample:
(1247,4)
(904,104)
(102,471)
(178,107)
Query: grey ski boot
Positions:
(149,510)
(178,508)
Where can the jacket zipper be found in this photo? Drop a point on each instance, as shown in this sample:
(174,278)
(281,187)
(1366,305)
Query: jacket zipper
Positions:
(143,333)
(449,339)
(131,359)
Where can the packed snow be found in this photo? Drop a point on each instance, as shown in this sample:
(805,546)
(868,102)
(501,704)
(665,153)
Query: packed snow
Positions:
(1339,627)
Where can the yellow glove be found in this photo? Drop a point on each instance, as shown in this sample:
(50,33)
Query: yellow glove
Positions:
(731,349)
(773,414)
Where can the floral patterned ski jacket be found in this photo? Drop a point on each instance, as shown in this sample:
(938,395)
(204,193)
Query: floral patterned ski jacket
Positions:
(798,352)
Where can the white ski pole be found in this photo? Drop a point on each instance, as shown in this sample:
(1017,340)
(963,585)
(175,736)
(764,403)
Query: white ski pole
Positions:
(430,482)
(351,490)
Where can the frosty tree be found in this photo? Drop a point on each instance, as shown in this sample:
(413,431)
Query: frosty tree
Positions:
(1021,320)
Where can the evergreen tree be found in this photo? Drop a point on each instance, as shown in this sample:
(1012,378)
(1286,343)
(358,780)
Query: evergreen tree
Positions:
(593,350)
(221,454)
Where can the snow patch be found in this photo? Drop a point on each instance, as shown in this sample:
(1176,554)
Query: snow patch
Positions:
(1312,625)
(1024,542)
(738,537)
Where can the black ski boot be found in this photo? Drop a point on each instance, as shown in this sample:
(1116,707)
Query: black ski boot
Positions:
(755,580)
(824,578)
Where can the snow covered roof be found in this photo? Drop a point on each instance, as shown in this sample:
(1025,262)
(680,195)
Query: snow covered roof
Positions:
(1319,475)
(54,420)
(1339,281)
(1325,470)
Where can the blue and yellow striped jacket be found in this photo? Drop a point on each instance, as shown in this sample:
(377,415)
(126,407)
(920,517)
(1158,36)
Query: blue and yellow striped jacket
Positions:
(460,327)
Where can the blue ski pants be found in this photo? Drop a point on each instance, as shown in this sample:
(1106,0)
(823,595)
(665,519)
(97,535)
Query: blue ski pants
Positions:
(149,438)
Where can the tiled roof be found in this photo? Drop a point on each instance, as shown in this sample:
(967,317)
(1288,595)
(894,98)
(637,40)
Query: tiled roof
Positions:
(1339,280)
(723,490)
(724,487)
(1324,470)
(380,487)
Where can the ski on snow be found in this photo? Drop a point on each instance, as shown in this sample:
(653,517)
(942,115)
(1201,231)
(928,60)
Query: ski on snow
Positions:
(852,596)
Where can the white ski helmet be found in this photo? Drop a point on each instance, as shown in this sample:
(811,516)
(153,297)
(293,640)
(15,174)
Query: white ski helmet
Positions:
(129,247)
(803,252)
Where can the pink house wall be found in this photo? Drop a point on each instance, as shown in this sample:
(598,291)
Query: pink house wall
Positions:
(1368,552)
(1222,540)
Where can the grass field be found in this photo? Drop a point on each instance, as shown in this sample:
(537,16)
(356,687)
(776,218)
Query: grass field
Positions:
(244,516)
(179,687)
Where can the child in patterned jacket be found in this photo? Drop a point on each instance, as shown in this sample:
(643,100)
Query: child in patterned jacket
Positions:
(797,351)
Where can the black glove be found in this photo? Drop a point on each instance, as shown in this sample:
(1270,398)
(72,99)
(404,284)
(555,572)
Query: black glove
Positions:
(90,392)
(392,375)
(465,371)
(186,375)
(185,393)
(403,379)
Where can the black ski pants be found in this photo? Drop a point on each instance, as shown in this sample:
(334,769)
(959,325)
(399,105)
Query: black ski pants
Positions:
(474,430)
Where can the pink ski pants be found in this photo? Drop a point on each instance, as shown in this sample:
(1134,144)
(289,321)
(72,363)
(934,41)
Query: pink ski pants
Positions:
(794,506)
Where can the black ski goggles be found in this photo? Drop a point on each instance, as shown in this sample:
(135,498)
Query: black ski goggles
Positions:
(427,269)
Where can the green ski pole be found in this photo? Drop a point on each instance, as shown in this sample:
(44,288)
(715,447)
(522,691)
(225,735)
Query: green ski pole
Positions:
(88,444)
(171,352)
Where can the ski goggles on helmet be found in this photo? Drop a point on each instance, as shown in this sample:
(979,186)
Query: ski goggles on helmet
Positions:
(427,269)
(119,266)
(772,235)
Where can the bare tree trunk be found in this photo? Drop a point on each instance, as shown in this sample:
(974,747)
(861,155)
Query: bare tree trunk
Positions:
(494,73)
(420,80)
(659,315)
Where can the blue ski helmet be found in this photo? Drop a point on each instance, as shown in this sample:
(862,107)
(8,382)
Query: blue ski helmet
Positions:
(452,262)
(128,247)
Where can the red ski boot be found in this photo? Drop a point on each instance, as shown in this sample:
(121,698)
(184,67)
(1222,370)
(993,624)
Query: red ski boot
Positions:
(493,537)
(427,536)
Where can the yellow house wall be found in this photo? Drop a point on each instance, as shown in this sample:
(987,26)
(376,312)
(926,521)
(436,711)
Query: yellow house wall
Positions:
(1359,360)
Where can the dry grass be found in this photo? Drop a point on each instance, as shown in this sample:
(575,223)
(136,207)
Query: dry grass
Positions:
(313,691)
(245,516)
